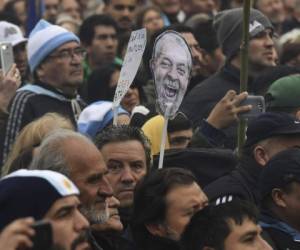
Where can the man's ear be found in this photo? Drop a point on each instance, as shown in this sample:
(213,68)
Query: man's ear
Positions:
(156,229)
(39,71)
(88,48)
(260,155)
(278,197)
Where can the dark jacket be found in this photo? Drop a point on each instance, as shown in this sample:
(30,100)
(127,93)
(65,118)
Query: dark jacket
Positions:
(159,243)
(32,102)
(283,236)
(240,183)
(109,241)
(203,97)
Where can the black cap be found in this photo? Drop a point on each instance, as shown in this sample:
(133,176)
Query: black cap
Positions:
(282,169)
(271,124)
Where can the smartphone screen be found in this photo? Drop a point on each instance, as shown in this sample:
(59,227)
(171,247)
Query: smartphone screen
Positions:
(258,106)
(43,235)
(6,57)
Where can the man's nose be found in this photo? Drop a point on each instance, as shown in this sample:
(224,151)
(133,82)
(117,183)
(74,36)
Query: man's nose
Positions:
(105,189)
(269,41)
(113,202)
(127,175)
(76,59)
(126,12)
(81,223)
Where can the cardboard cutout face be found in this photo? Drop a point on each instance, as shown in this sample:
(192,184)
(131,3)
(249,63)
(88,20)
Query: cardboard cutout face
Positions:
(171,66)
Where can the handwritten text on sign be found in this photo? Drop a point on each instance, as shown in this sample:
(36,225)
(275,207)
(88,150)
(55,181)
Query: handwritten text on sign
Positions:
(132,60)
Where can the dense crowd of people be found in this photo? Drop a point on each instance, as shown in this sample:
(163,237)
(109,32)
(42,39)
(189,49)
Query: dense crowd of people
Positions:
(78,174)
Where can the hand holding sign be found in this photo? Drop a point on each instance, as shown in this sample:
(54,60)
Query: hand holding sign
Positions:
(132,60)
(171,65)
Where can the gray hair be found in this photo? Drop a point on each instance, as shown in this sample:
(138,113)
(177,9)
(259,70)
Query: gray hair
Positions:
(51,154)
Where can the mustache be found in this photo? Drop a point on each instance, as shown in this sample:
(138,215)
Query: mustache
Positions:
(128,185)
(125,19)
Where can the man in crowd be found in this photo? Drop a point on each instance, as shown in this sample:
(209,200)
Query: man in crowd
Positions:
(172,12)
(51,10)
(200,64)
(74,155)
(280,190)
(158,218)
(267,135)
(122,11)
(78,158)
(232,225)
(228,24)
(209,7)
(98,34)
(72,8)
(47,196)
(274,10)
(126,152)
(11,33)
(55,57)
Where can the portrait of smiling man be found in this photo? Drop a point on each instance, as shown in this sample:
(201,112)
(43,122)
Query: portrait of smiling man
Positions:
(171,66)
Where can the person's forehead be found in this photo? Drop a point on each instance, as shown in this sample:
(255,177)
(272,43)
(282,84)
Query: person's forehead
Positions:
(190,38)
(123,2)
(67,46)
(131,147)
(51,2)
(238,231)
(84,157)
(188,192)
(105,29)
(164,2)
(21,45)
(266,3)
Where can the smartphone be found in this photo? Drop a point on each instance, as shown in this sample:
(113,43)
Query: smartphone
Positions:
(258,106)
(43,236)
(6,57)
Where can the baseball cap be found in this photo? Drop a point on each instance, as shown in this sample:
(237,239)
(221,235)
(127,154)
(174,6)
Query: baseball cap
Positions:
(285,92)
(271,124)
(11,33)
(282,169)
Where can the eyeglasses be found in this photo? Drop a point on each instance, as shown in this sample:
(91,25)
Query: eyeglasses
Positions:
(68,54)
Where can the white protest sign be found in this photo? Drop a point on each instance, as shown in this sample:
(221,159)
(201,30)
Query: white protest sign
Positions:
(171,66)
(132,60)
